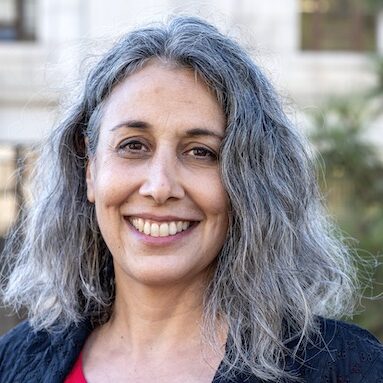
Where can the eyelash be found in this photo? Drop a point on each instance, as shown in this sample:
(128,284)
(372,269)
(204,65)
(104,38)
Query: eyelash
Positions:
(207,153)
(126,147)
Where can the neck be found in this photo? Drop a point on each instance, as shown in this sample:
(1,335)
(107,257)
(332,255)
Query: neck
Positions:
(155,329)
(155,317)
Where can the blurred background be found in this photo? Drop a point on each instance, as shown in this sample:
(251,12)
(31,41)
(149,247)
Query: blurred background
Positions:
(323,56)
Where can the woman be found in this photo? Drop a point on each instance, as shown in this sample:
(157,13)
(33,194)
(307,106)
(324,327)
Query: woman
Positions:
(177,232)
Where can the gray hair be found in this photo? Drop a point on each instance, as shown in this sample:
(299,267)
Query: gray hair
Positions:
(281,264)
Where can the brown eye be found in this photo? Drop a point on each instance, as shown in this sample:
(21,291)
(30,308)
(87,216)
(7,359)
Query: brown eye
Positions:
(202,153)
(137,146)
(132,147)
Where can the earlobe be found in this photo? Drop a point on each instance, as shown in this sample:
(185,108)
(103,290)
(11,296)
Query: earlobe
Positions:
(90,181)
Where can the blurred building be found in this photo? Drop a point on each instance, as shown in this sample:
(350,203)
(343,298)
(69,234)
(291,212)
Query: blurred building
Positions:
(310,49)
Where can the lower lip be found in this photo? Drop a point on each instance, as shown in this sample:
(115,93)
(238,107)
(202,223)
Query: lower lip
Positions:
(158,241)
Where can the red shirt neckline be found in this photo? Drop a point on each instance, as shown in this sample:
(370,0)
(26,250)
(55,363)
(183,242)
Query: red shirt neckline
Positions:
(76,375)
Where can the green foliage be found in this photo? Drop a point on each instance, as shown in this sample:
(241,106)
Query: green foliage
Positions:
(340,137)
(375,5)
(378,69)
(353,184)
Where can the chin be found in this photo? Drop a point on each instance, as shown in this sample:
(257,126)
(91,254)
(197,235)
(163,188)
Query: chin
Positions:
(162,274)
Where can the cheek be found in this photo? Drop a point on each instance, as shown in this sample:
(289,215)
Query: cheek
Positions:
(215,203)
(113,185)
(217,198)
(219,203)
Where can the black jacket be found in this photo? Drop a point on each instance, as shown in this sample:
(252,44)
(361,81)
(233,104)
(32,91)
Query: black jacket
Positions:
(342,353)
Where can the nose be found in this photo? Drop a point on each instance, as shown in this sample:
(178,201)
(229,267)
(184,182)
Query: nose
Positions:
(161,180)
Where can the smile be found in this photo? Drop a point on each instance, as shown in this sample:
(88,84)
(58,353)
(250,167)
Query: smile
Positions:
(159,229)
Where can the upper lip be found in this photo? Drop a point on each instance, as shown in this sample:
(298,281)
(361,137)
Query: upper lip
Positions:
(162,218)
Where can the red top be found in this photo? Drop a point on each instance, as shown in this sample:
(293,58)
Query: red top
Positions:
(76,375)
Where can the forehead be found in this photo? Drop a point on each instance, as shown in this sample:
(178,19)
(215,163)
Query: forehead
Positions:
(156,76)
(163,89)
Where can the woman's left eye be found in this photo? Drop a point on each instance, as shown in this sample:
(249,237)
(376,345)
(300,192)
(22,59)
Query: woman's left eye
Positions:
(202,153)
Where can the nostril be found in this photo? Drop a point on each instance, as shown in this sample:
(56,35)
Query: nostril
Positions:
(161,189)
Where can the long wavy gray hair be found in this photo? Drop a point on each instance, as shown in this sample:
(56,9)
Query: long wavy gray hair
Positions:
(281,264)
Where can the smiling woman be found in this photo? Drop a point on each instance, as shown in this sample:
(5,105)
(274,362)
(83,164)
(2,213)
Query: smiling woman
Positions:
(177,232)
(159,138)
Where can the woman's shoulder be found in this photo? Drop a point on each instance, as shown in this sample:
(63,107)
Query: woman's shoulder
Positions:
(13,346)
(27,354)
(346,334)
(342,351)
(15,339)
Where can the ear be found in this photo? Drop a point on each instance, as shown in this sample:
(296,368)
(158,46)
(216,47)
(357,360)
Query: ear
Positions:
(90,180)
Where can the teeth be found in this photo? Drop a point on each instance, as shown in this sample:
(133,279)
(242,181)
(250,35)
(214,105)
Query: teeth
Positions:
(163,229)
(172,228)
(146,227)
(140,225)
(154,230)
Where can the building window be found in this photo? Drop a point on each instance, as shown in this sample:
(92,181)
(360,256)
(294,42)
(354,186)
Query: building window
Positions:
(347,25)
(17,19)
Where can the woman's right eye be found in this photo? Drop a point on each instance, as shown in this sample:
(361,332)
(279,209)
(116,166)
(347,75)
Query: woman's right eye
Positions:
(132,147)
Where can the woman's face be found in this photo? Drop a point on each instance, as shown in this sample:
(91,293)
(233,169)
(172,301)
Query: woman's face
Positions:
(154,179)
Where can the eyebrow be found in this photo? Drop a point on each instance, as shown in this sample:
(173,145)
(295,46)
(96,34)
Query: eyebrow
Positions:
(132,124)
(137,124)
